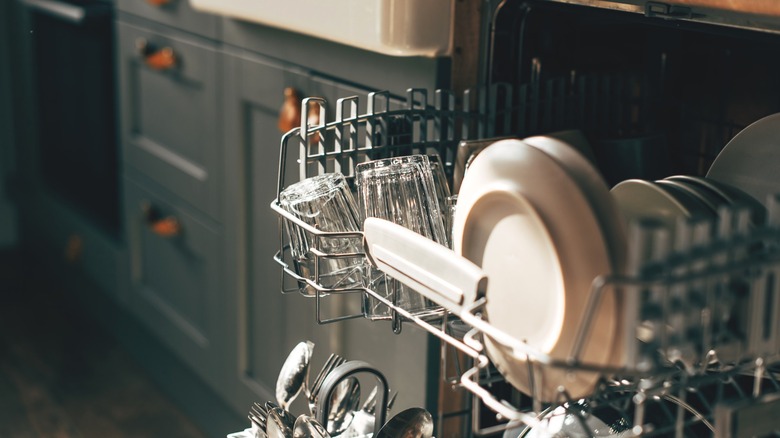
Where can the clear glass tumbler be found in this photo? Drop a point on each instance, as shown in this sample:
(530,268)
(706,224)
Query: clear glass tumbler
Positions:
(400,190)
(326,203)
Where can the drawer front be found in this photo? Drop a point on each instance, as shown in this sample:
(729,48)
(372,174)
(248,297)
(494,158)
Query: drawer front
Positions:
(176,276)
(174,13)
(169,115)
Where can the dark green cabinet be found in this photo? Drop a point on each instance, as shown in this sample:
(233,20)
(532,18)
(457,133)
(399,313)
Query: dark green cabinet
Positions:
(176,276)
(169,93)
(169,116)
(200,143)
(269,324)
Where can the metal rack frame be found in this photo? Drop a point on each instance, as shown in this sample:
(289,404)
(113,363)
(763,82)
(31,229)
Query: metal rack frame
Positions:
(654,378)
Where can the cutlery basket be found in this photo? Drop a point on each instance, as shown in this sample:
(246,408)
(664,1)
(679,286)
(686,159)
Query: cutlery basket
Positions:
(671,379)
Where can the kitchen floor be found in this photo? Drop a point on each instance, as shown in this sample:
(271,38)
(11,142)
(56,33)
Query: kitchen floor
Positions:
(62,376)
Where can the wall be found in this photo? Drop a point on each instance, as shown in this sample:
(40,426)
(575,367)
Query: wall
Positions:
(8,230)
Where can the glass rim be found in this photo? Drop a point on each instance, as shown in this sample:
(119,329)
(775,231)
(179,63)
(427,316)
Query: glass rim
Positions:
(313,187)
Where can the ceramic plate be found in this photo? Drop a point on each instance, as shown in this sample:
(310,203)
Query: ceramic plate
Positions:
(712,201)
(638,198)
(694,202)
(514,219)
(730,194)
(570,150)
(573,153)
(750,160)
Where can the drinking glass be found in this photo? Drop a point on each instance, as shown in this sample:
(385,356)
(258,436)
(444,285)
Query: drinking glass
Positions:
(443,194)
(326,203)
(400,190)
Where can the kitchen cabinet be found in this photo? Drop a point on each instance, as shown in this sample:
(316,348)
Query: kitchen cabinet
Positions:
(169,92)
(200,157)
(199,146)
(176,276)
(252,98)
(67,238)
(169,112)
(268,324)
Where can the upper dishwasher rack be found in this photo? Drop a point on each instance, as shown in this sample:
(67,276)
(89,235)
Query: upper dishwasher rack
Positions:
(690,380)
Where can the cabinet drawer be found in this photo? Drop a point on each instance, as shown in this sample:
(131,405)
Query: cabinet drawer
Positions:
(175,275)
(174,13)
(169,115)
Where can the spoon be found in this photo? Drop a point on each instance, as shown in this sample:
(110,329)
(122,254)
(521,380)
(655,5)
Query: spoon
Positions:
(294,373)
(411,423)
(307,427)
(279,423)
(343,403)
(362,421)
(361,424)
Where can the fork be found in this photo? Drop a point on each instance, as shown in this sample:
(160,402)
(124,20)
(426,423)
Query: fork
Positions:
(258,415)
(333,361)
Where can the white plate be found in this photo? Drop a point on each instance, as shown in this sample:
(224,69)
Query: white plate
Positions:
(730,195)
(515,220)
(573,152)
(707,197)
(638,198)
(693,203)
(570,150)
(750,160)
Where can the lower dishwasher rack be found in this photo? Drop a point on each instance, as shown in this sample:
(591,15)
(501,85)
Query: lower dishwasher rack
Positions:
(721,381)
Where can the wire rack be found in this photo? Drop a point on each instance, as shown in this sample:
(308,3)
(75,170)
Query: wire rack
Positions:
(702,320)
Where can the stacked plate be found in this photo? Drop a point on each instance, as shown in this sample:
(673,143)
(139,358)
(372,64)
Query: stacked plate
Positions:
(749,161)
(537,217)
(682,196)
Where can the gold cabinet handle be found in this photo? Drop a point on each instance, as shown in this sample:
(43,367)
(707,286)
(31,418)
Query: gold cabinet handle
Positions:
(165,227)
(162,58)
(158,3)
(290,113)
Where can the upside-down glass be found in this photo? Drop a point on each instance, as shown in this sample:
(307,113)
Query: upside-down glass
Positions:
(326,203)
(400,190)
(446,199)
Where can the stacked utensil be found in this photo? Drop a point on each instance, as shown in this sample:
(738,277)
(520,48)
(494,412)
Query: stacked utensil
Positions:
(333,400)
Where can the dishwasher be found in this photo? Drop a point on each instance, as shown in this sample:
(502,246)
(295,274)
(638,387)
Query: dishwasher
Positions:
(655,90)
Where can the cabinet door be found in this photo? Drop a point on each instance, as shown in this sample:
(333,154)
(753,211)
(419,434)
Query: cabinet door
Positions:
(266,326)
(169,115)
(269,324)
(176,277)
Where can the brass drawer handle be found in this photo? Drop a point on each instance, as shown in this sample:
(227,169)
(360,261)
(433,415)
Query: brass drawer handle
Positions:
(290,113)
(165,227)
(162,58)
(158,3)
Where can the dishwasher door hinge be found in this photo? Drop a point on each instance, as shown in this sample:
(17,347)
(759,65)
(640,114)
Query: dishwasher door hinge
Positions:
(667,11)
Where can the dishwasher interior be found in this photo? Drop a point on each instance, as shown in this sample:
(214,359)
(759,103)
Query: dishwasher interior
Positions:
(655,94)
(683,88)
